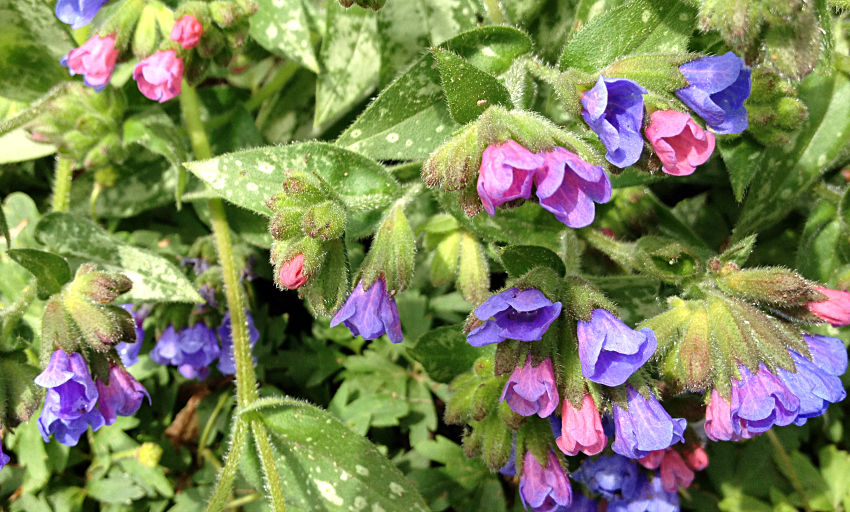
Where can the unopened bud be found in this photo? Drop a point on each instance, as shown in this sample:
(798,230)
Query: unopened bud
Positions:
(100,287)
(296,260)
(292,273)
(224,13)
(473,271)
(325,220)
(454,164)
(392,253)
(144,37)
(286,223)
(498,442)
(773,286)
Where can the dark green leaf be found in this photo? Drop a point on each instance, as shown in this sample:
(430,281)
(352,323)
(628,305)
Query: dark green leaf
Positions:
(469,90)
(4,229)
(743,158)
(283,28)
(51,271)
(156,131)
(519,259)
(114,490)
(445,354)
(637,297)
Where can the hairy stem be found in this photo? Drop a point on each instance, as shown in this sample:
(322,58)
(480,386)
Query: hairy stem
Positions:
(272,86)
(264,447)
(231,466)
(62,186)
(789,468)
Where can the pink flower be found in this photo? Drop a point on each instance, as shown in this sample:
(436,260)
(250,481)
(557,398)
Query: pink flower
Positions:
(159,76)
(679,142)
(95,60)
(835,310)
(718,419)
(291,273)
(653,460)
(696,458)
(187,31)
(581,429)
(532,389)
(506,173)
(674,472)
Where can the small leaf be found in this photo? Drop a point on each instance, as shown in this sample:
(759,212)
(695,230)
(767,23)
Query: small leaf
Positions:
(51,271)
(444,265)
(739,252)
(469,90)
(743,158)
(114,490)
(156,131)
(445,354)
(283,28)
(473,278)
(519,259)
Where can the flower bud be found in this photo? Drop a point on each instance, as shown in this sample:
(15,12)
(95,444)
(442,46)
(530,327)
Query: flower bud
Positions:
(187,32)
(771,286)
(453,165)
(292,273)
(473,272)
(835,309)
(224,13)
(95,60)
(736,20)
(286,223)
(296,260)
(497,442)
(145,34)
(100,287)
(325,220)
(392,252)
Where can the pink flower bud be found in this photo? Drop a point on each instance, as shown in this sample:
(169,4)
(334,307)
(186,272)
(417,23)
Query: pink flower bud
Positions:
(696,458)
(653,460)
(187,31)
(581,429)
(291,273)
(718,419)
(679,142)
(95,60)
(159,76)
(835,310)
(674,472)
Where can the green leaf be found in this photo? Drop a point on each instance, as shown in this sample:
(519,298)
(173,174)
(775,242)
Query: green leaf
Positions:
(469,90)
(835,466)
(519,259)
(249,178)
(154,278)
(323,463)
(445,354)
(283,28)
(35,109)
(114,490)
(16,146)
(637,297)
(409,119)
(4,229)
(657,72)
(743,158)
(790,170)
(640,26)
(51,271)
(350,61)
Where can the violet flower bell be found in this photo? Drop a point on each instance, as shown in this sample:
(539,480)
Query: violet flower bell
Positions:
(4,459)
(679,142)
(506,173)
(581,503)
(532,390)
(70,404)
(718,420)
(226,362)
(370,313)
(78,13)
(121,397)
(828,353)
(129,352)
(718,87)
(650,496)
(160,76)
(645,426)
(581,429)
(95,60)
(613,109)
(611,476)
(514,314)
(835,309)
(610,352)
(568,187)
(192,350)
(761,401)
(544,489)
(814,387)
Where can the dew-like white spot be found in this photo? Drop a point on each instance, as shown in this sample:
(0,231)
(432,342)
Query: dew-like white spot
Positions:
(396,488)
(408,143)
(271,32)
(821,160)
(683,17)
(392,137)
(360,503)
(377,508)
(645,16)
(265,167)
(361,470)
(440,128)
(328,492)
(488,51)
(252,187)
(344,476)
(309,439)
(293,25)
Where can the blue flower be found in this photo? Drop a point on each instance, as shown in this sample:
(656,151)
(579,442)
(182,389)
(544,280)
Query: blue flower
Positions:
(761,401)
(614,110)
(645,426)
(226,363)
(717,91)
(815,388)
(192,350)
(4,459)
(544,489)
(514,314)
(612,476)
(129,352)
(121,397)
(650,496)
(610,352)
(370,313)
(78,13)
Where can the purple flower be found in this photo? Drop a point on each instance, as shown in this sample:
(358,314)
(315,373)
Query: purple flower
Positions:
(129,352)
(226,363)
(370,313)
(718,87)
(69,408)
(568,186)
(509,469)
(121,397)
(199,265)
(612,476)
(192,350)
(544,489)
(609,350)
(718,420)
(581,503)
(506,173)
(828,353)
(4,459)
(532,390)
(645,426)
(614,110)
(761,401)
(514,314)
(815,388)
(649,497)
(78,13)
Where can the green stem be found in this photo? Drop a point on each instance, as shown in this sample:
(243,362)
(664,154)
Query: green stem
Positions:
(264,447)
(283,75)
(11,316)
(789,468)
(244,500)
(231,466)
(62,186)
(494,10)
(202,443)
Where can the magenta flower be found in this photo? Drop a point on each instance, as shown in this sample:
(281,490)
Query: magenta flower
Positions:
(679,142)
(544,489)
(645,426)
(718,87)
(674,472)
(581,429)
(532,390)
(69,407)
(761,401)
(191,350)
(506,173)
(187,31)
(159,76)
(513,314)
(370,313)
(292,273)
(718,420)
(78,13)
(568,186)
(835,309)
(612,476)
(95,60)
(653,459)
(226,362)
(121,397)
(609,350)
(696,458)
(613,109)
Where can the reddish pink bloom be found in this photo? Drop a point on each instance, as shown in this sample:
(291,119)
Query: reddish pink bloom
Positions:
(95,60)
(718,419)
(679,142)
(291,273)
(653,460)
(581,429)
(187,31)
(159,76)
(696,458)
(835,310)
(674,472)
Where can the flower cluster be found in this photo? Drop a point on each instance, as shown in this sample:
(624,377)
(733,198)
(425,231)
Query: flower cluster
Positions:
(75,401)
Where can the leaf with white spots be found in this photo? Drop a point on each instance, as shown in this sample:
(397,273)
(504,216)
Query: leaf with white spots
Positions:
(283,28)
(325,466)
(249,178)
(81,241)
